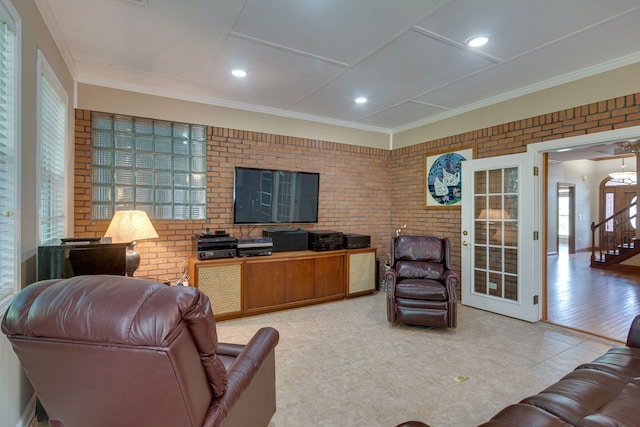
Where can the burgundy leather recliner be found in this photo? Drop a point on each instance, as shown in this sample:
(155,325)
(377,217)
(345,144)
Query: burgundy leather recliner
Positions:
(115,351)
(421,287)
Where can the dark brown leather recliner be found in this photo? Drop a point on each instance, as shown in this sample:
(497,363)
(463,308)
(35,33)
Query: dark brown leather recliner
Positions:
(421,287)
(115,351)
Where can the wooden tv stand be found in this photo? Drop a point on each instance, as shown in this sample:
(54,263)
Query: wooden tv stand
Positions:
(253,285)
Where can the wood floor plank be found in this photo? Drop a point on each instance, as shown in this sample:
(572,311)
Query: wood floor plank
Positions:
(597,301)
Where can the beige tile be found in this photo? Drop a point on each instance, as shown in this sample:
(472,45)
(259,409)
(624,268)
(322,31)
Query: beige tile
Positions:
(342,364)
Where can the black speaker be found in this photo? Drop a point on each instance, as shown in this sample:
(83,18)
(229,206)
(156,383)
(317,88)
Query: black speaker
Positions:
(287,239)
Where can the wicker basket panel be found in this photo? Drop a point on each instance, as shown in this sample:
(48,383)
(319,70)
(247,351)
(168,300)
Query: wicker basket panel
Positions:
(223,285)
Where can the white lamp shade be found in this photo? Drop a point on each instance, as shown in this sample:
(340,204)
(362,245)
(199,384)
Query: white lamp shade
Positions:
(130,226)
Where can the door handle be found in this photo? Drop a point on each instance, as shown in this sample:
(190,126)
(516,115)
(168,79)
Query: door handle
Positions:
(465,243)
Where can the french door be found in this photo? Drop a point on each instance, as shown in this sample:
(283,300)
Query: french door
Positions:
(498,236)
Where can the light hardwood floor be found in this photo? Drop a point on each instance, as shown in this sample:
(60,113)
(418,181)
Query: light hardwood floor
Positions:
(596,301)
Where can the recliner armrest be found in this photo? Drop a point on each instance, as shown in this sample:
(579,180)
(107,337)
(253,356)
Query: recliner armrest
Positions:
(250,358)
(633,339)
(390,279)
(392,273)
(450,278)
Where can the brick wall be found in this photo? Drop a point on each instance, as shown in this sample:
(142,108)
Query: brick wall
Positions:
(362,190)
(354,191)
(407,164)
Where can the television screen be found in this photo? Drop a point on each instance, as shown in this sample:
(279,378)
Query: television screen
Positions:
(267,196)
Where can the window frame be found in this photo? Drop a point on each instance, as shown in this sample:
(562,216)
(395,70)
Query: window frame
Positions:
(11,17)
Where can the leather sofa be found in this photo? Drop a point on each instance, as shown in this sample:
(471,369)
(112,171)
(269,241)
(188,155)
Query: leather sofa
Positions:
(605,392)
(116,351)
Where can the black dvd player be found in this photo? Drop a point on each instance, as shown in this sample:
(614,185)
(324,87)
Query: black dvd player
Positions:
(255,247)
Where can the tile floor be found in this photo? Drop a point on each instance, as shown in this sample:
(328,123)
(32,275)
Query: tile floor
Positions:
(342,364)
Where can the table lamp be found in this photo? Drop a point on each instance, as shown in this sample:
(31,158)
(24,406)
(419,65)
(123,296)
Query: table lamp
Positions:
(128,227)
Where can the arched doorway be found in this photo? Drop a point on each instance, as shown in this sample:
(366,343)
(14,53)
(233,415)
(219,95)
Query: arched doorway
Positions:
(615,197)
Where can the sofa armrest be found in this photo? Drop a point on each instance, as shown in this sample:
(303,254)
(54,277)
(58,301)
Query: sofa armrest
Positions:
(633,340)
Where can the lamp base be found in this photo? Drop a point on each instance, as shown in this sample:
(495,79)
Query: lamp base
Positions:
(133,261)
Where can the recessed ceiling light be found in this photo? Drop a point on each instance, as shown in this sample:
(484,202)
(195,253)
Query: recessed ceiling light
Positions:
(361,100)
(239,73)
(476,41)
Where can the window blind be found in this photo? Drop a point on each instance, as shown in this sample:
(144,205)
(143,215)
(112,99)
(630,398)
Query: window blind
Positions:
(52,137)
(8,196)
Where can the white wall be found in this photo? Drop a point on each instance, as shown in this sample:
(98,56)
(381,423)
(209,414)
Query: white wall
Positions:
(15,391)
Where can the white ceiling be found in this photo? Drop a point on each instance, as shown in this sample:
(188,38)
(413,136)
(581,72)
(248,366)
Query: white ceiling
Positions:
(311,58)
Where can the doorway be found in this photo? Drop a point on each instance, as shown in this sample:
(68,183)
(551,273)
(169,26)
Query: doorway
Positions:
(623,290)
(566,220)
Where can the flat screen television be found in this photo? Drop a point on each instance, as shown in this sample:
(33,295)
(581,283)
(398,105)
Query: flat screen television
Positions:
(269,196)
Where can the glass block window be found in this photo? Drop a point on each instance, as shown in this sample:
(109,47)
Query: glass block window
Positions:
(9,281)
(52,153)
(151,165)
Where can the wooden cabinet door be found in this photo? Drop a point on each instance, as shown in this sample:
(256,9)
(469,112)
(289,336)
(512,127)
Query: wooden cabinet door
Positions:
(329,276)
(279,282)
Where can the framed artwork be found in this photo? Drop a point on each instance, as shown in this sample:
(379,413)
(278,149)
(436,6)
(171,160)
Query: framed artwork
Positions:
(443,178)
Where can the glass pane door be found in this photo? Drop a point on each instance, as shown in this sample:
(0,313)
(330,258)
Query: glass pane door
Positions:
(498,253)
(495,245)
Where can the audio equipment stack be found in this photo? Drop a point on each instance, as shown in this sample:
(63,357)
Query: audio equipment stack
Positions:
(215,245)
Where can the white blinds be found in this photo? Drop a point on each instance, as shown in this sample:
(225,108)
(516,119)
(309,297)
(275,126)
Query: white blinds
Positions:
(8,233)
(52,134)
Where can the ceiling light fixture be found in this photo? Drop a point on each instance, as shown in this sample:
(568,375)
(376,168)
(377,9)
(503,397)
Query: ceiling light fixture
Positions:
(624,177)
(361,100)
(239,73)
(476,41)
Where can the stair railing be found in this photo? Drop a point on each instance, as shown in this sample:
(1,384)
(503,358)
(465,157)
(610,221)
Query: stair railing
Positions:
(622,234)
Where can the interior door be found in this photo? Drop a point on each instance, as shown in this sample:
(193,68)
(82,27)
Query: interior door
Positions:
(499,245)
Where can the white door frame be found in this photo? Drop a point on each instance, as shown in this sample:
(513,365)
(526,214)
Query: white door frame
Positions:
(539,149)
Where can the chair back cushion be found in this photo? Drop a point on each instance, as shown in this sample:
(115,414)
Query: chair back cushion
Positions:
(92,345)
(419,270)
(419,248)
